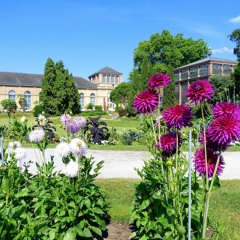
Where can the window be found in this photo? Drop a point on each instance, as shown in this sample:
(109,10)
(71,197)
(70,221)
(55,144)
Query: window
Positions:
(108,79)
(27,99)
(217,69)
(176,76)
(82,100)
(92,99)
(204,70)
(112,79)
(12,95)
(104,79)
(184,74)
(193,72)
(116,80)
(227,69)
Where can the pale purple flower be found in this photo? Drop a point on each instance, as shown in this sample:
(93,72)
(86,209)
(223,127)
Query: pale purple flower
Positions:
(65,119)
(78,147)
(79,121)
(72,169)
(63,149)
(36,135)
(73,128)
(20,154)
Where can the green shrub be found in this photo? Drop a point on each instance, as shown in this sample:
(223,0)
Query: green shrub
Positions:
(98,108)
(129,137)
(93,113)
(37,110)
(122,112)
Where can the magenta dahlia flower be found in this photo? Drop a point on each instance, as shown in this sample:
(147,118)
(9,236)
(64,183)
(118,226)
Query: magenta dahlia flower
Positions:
(214,145)
(224,130)
(225,108)
(146,101)
(178,116)
(200,163)
(199,91)
(159,80)
(168,144)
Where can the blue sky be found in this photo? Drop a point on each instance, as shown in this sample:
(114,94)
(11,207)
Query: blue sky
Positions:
(88,35)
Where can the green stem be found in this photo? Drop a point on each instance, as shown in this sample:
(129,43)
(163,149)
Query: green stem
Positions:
(207,198)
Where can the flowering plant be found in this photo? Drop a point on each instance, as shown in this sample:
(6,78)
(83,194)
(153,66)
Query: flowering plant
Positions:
(167,196)
(50,203)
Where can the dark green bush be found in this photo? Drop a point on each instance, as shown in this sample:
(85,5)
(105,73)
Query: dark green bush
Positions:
(98,108)
(37,110)
(131,136)
(122,112)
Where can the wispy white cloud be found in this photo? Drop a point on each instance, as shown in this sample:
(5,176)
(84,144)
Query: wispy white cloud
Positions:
(235,20)
(222,50)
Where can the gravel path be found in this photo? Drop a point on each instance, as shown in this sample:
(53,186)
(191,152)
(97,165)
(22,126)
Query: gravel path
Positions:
(122,164)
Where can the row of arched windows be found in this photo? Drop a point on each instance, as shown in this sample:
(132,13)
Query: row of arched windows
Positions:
(26,95)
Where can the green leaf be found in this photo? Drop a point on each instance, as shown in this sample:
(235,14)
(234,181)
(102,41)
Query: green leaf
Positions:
(216,183)
(97,230)
(6,185)
(70,234)
(87,233)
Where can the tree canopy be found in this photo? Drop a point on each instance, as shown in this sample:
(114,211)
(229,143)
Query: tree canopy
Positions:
(59,94)
(235,37)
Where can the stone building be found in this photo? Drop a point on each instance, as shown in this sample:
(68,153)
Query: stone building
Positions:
(95,90)
(202,69)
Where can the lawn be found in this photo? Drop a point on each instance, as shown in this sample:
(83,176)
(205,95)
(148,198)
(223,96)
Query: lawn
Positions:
(224,204)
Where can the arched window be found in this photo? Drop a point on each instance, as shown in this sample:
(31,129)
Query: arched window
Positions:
(82,100)
(92,99)
(12,95)
(27,99)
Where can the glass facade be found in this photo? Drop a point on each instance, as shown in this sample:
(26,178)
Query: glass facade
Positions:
(227,69)
(104,79)
(176,76)
(184,74)
(184,87)
(204,70)
(194,72)
(217,69)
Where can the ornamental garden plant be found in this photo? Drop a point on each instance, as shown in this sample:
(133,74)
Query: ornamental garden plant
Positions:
(52,204)
(166,206)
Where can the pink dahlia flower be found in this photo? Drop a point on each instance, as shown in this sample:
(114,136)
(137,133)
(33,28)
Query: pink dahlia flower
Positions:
(200,163)
(178,116)
(168,144)
(159,80)
(146,101)
(199,91)
(65,119)
(225,108)
(224,130)
(214,145)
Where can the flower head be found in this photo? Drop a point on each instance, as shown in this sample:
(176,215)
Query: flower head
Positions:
(42,119)
(63,149)
(178,116)
(225,108)
(65,119)
(73,128)
(146,101)
(159,80)
(72,169)
(224,130)
(199,91)
(79,121)
(36,135)
(20,153)
(14,144)
(78,147)
(23,119)
(168,144)
(200,163)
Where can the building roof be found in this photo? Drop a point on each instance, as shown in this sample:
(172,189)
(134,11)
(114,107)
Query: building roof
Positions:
(106,71)
(35,80)
(207,59)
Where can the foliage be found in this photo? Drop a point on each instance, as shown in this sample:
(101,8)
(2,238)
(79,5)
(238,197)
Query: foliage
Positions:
(37,110)
(122,112)
(222,86)
(98,108)
(235,37)
(8,104)
(131,136)
(90,106)
(96,131)
(21,100)
(49,204)
(59,93)
(93,113)
(236,80)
